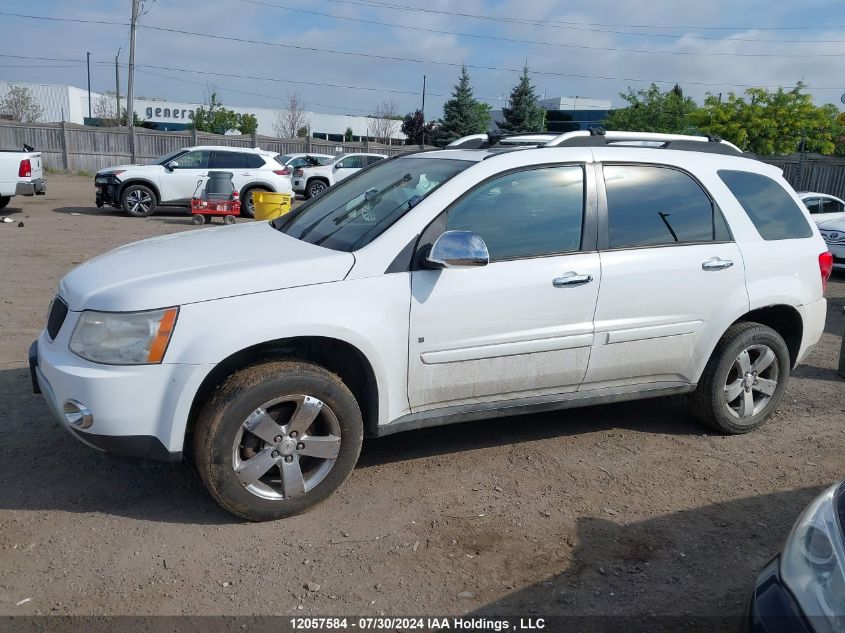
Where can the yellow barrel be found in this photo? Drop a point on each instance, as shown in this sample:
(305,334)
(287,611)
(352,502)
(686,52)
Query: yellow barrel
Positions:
(269,206)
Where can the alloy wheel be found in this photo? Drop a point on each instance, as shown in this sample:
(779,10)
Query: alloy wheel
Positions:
(751,381)
(139,199)
(286,447)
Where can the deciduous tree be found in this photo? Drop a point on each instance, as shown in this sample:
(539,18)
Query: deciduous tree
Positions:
(19,104)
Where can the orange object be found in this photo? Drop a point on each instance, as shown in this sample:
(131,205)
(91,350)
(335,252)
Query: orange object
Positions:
(165,330)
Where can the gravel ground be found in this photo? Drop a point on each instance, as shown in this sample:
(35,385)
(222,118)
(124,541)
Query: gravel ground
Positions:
(629,509)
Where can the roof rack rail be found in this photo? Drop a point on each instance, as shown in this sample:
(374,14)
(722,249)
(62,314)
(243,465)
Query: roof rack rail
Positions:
(597,137)
(486,141)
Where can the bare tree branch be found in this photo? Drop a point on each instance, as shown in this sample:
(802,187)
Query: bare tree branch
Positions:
(291,120)
(386,122)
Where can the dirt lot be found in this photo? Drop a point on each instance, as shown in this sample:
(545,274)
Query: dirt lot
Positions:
(624,509)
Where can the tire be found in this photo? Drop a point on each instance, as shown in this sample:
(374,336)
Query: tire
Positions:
(139,201)
(247,204)
(315,187)
(228,219)
(198,218)
(224,440)
(4,201)
(752,361)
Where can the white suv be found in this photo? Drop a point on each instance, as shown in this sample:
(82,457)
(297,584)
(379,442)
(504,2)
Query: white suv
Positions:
(316,179)
(438,287)
(172,179)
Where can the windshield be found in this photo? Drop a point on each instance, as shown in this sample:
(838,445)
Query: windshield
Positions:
(168,157)
(352,214)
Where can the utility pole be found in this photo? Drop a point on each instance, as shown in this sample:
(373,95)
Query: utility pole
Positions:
(117,85)
(88,61)
(130,90)
(423,100)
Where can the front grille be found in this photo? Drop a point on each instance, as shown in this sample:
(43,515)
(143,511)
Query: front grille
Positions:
(58,313)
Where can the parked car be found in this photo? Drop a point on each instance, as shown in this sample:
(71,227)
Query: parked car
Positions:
(292,161)
(833,232)
(437,287)
(20,174)
(317,178)
(172,179)
(802,589)
(822,206)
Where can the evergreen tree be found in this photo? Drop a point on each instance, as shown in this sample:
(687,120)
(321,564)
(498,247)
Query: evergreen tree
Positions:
(523,114)
(463,114)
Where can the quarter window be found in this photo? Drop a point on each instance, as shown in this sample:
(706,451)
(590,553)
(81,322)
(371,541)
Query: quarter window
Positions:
(526,213)
(653,206)
(775,215)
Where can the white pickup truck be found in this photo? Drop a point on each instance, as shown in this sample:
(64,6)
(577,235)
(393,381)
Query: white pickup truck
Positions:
(20,174)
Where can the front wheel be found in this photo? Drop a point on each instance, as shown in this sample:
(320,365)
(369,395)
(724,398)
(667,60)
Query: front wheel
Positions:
(138,201)
(744,379)
(277,439)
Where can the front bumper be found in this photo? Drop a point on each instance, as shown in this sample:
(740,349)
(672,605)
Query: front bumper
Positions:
(772,609)
(107,191)
(138,410)
(838,252)
(37,187)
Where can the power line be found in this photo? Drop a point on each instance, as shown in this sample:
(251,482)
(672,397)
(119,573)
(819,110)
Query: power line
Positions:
(541,43)
(566,24)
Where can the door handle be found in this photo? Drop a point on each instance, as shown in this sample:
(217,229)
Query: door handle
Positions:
(716,264)
(571,279)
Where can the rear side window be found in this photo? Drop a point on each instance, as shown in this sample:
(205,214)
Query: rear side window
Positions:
(774,213)
(829,205)
(654,206)
(226,160)
(253,161)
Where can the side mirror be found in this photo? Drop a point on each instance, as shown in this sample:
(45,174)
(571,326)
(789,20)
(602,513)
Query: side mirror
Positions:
(338,165)
(172,165)
(458,249)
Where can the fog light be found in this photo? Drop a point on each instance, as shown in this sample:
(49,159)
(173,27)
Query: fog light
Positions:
(77,414)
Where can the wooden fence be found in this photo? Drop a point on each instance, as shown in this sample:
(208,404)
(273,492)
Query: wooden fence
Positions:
(83,148)
(823,174)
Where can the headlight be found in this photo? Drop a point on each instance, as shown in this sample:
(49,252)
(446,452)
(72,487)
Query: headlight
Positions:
(813,562)
(123,338)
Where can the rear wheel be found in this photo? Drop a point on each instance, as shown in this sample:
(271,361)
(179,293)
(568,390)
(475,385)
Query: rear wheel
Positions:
(4,201)
(248,203)
(277,439)
(315,187)
(744,380)
(138,201)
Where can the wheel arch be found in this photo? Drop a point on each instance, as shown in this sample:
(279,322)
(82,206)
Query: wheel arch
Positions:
(338,356)
(783,319)
(256,184)
(140,181)
(311,178)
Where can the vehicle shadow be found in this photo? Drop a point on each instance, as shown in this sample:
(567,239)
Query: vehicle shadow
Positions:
(668,416)
(111,211)
(79,479)
(687,571)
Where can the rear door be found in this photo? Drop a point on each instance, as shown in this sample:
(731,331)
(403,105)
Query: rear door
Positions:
(243,166)
(671,276)
(523,324)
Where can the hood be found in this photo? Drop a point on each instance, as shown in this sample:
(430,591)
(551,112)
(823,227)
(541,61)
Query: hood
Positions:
(200,265)
(837,224)
(124,167)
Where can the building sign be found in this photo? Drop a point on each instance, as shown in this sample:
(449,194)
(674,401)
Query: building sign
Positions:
(168,113)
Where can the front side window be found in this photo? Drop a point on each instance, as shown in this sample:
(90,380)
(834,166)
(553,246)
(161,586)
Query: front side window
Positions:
(351,162)
(655,206)
(356,211)
(193,160)
(812,204)
(526,213)
(829,205)
(775,215)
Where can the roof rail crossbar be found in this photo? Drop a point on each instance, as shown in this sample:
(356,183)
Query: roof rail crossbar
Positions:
(598,137)
(493,139)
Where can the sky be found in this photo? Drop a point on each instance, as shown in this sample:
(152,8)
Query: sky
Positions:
(587,48)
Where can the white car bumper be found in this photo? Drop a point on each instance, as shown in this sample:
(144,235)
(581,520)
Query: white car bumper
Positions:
(133,409)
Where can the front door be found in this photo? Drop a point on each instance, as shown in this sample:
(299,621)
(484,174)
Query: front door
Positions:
(347,166)
(672,278)
(180,178)
(522,325)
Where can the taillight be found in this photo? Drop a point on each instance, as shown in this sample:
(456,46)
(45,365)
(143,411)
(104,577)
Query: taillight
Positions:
(25,170)
(825,267)
(298,173)
(281,172)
